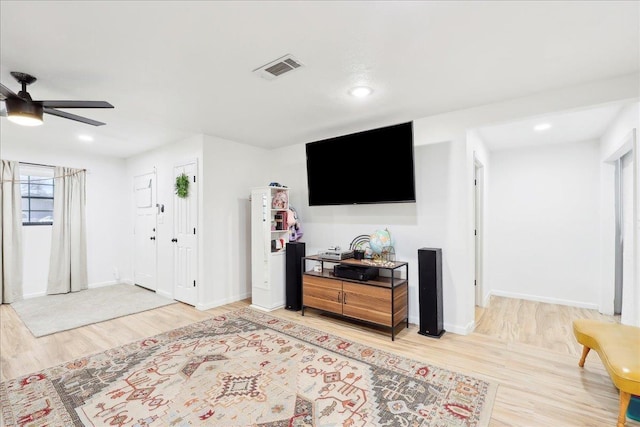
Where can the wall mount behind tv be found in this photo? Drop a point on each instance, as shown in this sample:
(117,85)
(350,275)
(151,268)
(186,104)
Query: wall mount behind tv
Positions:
(374,166)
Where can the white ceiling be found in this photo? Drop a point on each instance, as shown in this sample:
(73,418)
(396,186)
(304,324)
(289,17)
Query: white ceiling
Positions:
(173,69)
(574,126)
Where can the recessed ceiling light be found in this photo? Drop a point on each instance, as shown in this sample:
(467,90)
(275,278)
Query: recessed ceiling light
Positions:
(541,127)
(361,91)
(85,138)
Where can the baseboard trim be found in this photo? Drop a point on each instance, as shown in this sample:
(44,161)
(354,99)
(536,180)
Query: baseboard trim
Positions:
(164,293)
(460,330)
(449,327)
(89,286)
(223,301)
(559,301)
(266,310)
(486,300)
(34,295)
(103,284)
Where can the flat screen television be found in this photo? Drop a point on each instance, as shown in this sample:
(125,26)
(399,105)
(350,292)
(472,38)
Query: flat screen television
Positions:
(374,166)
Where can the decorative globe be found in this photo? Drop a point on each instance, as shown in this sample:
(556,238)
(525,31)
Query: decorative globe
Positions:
(380,240)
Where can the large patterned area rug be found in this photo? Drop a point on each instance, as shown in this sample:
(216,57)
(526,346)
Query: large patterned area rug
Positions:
(246,368)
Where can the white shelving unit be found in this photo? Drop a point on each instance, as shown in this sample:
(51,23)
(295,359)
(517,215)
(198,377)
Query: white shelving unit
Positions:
(269,236)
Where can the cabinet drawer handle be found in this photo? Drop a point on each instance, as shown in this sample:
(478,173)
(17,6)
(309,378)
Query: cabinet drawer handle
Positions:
(344,298)
(339,299)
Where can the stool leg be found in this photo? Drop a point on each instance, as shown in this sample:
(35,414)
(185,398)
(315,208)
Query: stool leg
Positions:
(625,398)
(585,351)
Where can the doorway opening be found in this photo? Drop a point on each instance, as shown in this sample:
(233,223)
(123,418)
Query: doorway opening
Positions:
(624,229)
(617,299)
(478,201)
(621,299)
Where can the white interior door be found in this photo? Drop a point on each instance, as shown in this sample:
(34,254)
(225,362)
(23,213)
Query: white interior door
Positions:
(185,238)
(145,254)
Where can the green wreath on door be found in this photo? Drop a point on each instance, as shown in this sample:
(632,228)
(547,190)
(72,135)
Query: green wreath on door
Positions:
(182,186)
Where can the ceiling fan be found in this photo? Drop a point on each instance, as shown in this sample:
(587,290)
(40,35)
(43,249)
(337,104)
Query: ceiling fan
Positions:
(21,109)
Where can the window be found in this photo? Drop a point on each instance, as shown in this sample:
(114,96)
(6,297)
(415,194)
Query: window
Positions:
(36,185)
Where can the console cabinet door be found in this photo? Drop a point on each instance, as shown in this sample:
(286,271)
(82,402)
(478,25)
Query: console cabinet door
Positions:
(369,303)
(322,293)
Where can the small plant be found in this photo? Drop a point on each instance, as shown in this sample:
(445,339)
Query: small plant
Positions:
(182,186)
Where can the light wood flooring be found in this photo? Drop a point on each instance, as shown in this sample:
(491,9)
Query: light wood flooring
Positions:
(528,322)
(526,348)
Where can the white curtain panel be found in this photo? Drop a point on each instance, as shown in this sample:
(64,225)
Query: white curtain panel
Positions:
(68,265)
(10,233)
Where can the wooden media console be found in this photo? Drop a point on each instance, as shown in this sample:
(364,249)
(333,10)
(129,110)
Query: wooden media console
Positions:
(381,301)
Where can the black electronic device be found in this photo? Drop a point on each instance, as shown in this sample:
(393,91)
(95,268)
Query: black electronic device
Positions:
(430,292)
(336,254)
(355,273)
(293,276)
(389,148)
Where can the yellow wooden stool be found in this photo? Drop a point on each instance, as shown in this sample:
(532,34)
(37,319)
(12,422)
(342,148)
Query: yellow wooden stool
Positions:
(619,349)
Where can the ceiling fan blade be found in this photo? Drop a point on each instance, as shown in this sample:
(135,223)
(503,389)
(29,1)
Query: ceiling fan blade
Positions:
(76,104)
(70,116)
(6,92)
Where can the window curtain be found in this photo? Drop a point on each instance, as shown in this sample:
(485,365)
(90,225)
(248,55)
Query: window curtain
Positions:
(68,262)
(10,233)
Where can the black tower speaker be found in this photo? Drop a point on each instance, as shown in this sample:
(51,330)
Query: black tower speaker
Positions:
(430,295)
(295,252)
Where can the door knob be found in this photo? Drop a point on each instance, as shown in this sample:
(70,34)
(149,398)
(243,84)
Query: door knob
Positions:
(174,240)
(152,238)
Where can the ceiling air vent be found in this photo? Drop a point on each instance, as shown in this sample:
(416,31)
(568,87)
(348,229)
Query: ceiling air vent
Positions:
(278,67)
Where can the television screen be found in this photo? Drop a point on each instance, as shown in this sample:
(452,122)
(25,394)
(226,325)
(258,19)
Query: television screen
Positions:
(374,166)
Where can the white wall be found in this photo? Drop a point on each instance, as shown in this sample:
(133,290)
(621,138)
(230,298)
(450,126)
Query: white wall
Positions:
(230,171)
(544,223)
(106,220)
(442,217)
(226,173)
(443,214)
(453,127)
(163,159)
(435,220)
(612,144)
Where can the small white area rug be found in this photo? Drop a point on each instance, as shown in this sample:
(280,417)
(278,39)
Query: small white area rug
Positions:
(55,313)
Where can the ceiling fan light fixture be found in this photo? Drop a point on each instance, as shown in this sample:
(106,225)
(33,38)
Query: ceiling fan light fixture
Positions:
(25,120)
(24,113)
(23,110)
